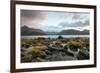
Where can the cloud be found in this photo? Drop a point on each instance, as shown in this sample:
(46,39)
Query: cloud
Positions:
(32,18)
(80,16)
(81,24)
(73,15)
(75,24)
(54,20)
(51,28)
(76,16)
(76,19)
(33,14)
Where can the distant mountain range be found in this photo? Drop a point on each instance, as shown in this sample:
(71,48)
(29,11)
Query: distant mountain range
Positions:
(74,32)
(32,31)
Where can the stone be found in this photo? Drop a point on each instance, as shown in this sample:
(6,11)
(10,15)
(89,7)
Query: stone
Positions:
(23,49)
(41,59)
(83,54)
(26,58)
(48,52)
(42,54)
(66,47)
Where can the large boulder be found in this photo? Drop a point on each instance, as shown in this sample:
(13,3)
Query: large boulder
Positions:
(83,54)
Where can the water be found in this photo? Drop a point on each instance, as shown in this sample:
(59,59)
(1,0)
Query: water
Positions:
(54,36)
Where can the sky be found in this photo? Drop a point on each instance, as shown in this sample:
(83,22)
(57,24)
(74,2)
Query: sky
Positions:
(55,21)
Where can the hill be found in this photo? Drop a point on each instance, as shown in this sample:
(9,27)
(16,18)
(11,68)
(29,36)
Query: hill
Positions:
(73,32)
(31,31)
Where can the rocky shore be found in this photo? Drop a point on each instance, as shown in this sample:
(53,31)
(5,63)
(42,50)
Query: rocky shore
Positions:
(53,50)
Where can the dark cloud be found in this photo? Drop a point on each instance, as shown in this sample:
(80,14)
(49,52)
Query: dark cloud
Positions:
(32,14)
(75,24)
(32,17)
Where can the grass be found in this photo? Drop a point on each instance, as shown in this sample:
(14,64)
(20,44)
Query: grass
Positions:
(38,49)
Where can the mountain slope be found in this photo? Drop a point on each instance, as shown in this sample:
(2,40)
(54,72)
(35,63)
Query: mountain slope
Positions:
(73,32)
(31,31)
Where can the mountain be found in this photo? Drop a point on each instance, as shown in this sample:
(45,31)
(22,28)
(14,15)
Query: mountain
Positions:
(73,32)
(85,31)
(25,30)
(31,31)
(51,33)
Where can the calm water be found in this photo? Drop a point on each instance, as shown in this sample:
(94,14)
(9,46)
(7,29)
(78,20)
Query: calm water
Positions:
(54,36)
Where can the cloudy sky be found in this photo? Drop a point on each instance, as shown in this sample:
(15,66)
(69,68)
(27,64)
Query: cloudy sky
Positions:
(52,21)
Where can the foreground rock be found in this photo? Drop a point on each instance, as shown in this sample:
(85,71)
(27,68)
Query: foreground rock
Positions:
(53,53)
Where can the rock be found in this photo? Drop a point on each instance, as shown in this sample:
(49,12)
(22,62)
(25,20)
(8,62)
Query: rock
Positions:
(34,60)
(34,55)
(23,54)
(66,47)
(60,37)
(41,59)
(54,58)
(42,54)
(48,57)
(67,57)
(74,49)
(23,49)
(26,45)
(26,58)
(49,48)
(83,54)
(48,52)
(69,54)
(57,56)
(84,51)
